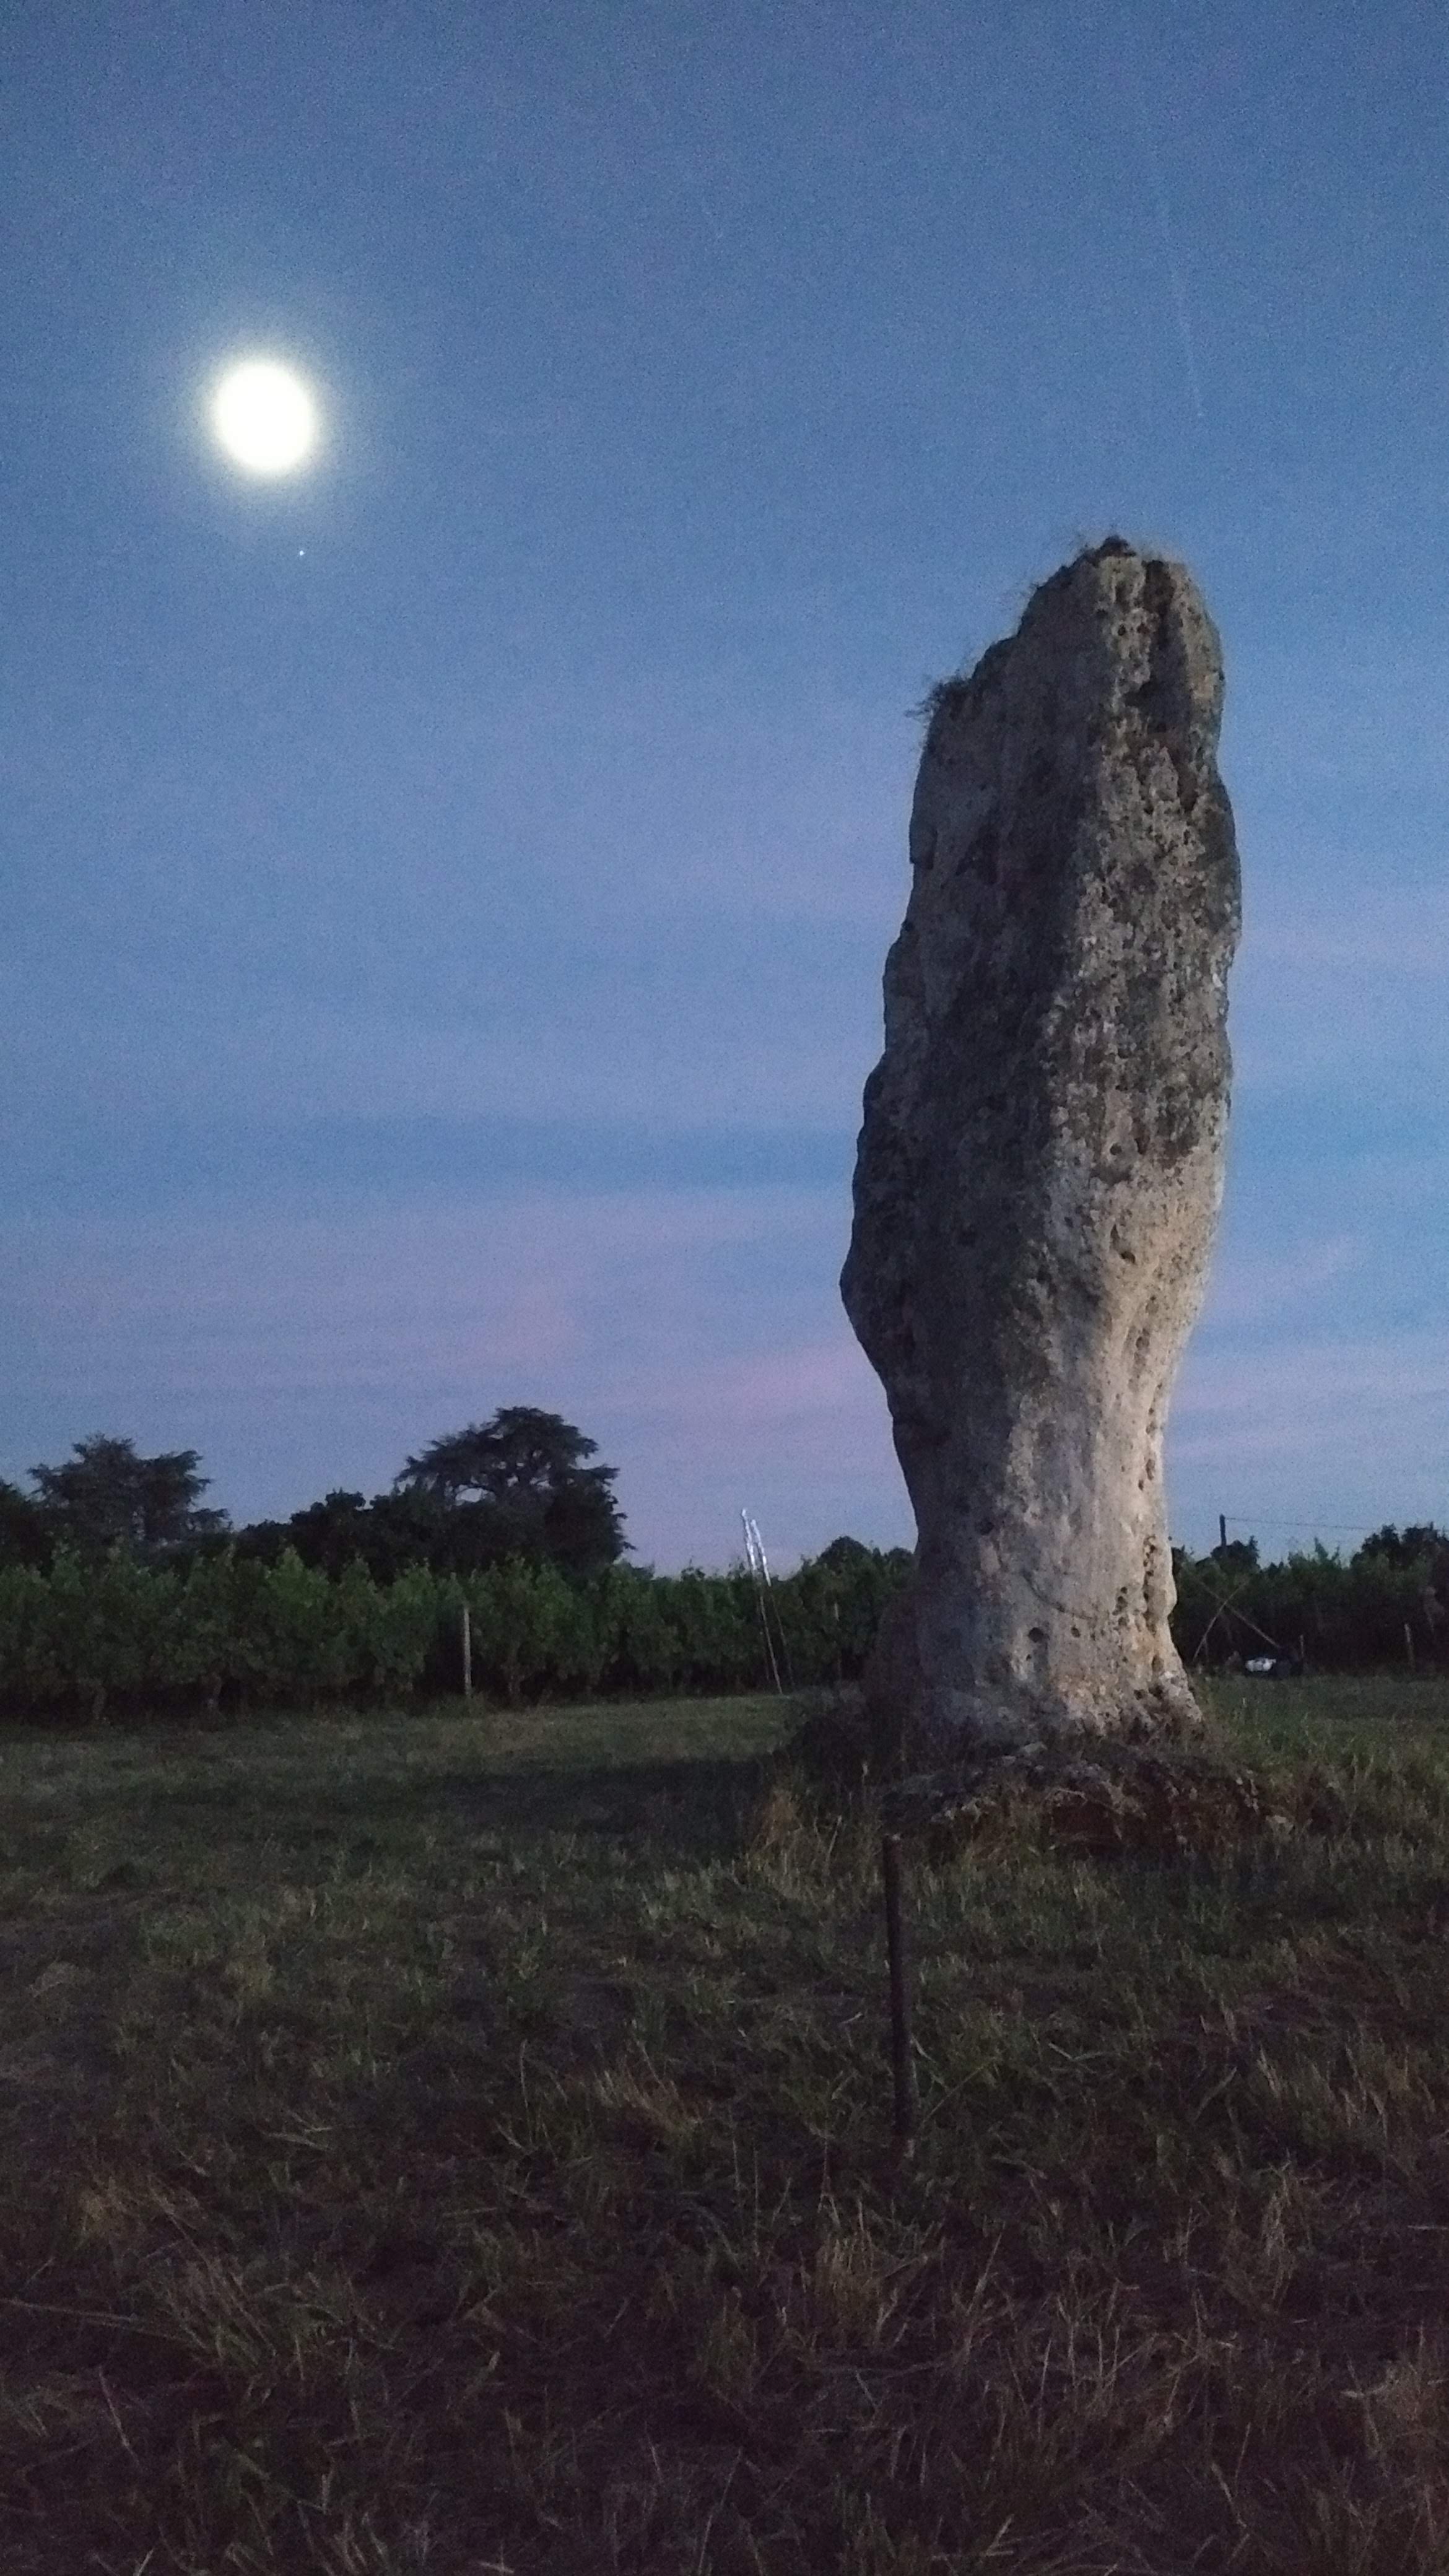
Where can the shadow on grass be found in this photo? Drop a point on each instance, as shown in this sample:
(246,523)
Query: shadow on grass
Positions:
(689,1810)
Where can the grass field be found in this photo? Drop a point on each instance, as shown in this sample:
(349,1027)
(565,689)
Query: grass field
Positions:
(458,2144)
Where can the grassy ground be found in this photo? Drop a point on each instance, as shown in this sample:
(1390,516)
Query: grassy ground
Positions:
(457,2144)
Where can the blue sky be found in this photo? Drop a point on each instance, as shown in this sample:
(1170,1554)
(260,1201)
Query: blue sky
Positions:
(445,893)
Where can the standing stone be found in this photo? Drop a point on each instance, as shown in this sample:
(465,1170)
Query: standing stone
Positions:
(1041,1164)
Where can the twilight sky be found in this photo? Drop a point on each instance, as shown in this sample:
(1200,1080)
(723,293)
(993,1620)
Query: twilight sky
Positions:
(445,893)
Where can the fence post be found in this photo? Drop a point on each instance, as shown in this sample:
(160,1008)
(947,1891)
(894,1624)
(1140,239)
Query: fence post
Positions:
(467,1652)
(1409,1645)
(902,2071)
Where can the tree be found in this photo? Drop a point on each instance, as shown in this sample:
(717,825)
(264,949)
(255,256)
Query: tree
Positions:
(106,1496)
(26,1536)
(331,1534)
(391,1532)
(1420,1540)
(521,1476)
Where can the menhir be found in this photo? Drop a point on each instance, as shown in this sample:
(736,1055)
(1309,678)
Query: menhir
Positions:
(1041,1164)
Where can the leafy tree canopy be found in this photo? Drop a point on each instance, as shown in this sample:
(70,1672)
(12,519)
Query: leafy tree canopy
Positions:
(387,1534)
(851,1556)
(106,1495)
(520,1454)
(26,1536)
(844,1555)
(1403,1547)
(520,1485)
(523,1473)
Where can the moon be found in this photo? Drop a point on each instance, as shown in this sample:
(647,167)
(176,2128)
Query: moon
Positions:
(264,417)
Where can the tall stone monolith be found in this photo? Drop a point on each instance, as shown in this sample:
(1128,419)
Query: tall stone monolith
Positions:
(1041,1164)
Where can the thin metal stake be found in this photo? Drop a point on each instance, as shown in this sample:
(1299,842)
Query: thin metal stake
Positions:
(467,1652)
(755,1557)
(902,2069)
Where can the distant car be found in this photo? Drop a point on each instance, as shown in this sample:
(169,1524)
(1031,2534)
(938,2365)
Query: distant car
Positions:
(1282,1667)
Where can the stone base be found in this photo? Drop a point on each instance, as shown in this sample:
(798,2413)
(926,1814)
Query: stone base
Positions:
(1157,1801)
(911,1726)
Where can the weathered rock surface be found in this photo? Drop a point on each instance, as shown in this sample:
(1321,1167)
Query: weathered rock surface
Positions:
(1040,1167)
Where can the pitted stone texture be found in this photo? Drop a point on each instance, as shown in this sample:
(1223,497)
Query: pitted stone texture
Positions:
(1040,1168)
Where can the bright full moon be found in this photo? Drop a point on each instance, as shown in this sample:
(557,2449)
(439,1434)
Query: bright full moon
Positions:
(264,417)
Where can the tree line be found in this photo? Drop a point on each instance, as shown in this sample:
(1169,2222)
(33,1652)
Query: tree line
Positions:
(120,1591)
(519,1485)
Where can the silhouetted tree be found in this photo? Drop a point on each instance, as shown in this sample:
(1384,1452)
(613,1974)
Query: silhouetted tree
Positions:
(1419,1541)
(522,1474)
(26,1536)
(105,1495)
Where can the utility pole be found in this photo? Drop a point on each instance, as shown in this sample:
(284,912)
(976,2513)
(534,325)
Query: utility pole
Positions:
(1222,1530)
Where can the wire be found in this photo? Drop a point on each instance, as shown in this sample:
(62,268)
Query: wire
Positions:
(1348,1529)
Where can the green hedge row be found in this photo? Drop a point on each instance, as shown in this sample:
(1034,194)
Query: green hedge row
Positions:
(88,1636)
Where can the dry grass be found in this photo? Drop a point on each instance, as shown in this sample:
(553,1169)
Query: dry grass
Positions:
(454,2145)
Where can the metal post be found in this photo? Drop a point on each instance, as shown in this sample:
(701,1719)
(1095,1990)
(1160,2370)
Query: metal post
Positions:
(902,2070)
(754,1556)
(467,1652)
